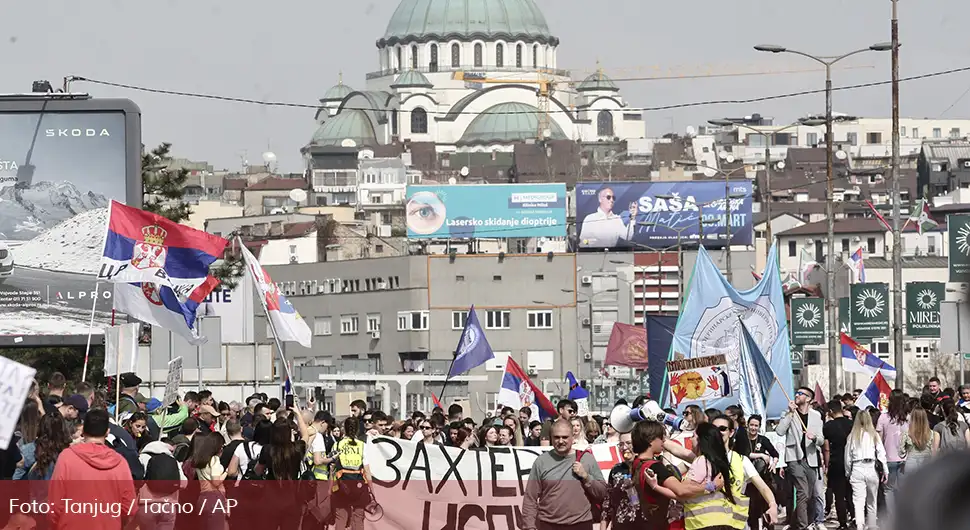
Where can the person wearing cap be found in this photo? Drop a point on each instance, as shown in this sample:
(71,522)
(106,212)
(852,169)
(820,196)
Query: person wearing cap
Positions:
(154,430)
(129,390)
(73,408)
(207,418)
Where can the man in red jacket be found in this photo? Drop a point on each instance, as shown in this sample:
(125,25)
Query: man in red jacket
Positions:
(92,488)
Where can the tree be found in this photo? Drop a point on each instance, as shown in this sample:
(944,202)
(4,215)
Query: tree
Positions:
(163,187)
(938,364)
(66,360)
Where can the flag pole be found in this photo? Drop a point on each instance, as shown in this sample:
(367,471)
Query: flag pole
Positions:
(272,326)
(87,348)
(444,385)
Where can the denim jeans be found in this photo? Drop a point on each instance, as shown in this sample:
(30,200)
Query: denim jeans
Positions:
(895,473)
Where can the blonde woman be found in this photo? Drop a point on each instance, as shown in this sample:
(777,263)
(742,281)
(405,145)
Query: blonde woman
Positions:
(863,451)
(580,442)
(513,423)
(917,444)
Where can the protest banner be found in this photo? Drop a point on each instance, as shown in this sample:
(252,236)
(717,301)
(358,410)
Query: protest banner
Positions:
(173,381)
(15,381)
(434,487)
(698,379)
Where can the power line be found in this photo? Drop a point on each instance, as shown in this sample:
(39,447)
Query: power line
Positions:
(713,102)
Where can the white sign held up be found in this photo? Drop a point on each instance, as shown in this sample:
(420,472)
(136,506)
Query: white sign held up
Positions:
(173,381)
(15,381)
(121,349)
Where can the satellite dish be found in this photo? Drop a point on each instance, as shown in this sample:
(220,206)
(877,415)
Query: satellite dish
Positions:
(463,171)
(722,155)
(730,159)
(452,180)
(298,195)
(546,133)
(691,131)
(709,172)
(269,157)
(841,155)
(348,143)
(780,165)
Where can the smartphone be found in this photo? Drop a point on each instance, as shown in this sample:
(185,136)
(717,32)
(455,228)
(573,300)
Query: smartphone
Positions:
(289,401)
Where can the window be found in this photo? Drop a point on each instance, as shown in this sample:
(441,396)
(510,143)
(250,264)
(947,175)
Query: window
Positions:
(412,321)
(496,278)
(378,249)
(321,326)
(433,64)
(373,322)
(394,122)
(881,349)
(873,138)
(852,138)
(535,55)
(915,132)
(455,55)
(419,121)
(540,319)
(498,319)
(414,56)
(845,245)
(499,55)
(459,278)
(386,218)
(955,132)
(349,324)
(937,133)
(792,249)
(540,360)
(902,131)
(540,277)
(811,138)
(518,56)
(498,363)
(400,63)
(871,245)
(922,352)
(478,54)
(458,319)
(931,245)
(604,123)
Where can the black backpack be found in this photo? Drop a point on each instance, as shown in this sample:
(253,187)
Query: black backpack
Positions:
(162,474)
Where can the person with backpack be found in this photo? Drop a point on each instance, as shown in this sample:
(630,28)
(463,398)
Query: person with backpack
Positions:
(621,507)
(163,480)
(281,465)
(351,490)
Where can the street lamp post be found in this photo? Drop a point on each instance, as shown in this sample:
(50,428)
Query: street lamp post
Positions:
(765,194)
(829,203)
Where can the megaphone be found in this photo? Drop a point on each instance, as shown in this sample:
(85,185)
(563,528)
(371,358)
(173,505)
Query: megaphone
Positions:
(623,417)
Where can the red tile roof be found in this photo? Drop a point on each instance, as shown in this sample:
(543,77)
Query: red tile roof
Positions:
(277,183)
(291,230)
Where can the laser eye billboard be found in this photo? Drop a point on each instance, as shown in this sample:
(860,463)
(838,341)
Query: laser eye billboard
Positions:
(486,211)
(657,214)
(61,163)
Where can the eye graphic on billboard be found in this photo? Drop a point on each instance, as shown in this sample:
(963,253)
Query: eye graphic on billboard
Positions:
(61,163)
(486,211)
(657,214)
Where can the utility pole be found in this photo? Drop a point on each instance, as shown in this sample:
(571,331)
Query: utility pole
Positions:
(897,251)
(727,227)
(830,298)
(766,198)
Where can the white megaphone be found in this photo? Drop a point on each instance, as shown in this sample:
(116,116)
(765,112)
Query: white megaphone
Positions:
(623,417)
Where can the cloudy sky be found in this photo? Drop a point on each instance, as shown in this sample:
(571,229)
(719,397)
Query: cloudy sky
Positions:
(293,50)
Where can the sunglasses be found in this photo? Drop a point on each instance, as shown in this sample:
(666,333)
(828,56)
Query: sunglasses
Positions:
(723,428)
(426,427)
(608,197)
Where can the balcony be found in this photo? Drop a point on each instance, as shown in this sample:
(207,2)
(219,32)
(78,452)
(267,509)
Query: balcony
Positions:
(488,68)
(426,366)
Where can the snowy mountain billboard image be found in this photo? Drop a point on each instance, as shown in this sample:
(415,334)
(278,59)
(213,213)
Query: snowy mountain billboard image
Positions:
(61,162)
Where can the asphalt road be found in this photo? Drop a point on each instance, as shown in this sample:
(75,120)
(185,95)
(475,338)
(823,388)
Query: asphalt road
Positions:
(62,289)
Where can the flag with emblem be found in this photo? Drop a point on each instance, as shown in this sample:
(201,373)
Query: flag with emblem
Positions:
(473,349)
(876,394)
(286,321)
(921,217)
(518,391)
(858,359)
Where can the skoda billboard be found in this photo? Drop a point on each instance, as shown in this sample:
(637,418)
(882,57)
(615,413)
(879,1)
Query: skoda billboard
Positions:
(62,160)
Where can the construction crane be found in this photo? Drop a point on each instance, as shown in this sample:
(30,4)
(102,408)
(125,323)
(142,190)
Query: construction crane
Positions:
(546,87)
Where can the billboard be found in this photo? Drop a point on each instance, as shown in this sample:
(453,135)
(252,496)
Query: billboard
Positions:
(61,162)
(652,214)
(466,211)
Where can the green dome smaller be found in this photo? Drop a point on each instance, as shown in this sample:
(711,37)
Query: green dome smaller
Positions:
(348,125)
(598,81)
(507,123)
(412,79)
(337,92)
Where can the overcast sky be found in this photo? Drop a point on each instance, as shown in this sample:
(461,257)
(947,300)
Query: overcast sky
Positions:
(292,51)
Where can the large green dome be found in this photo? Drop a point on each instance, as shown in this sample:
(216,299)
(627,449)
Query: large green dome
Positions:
(507,123)
(351,124)
(441,20)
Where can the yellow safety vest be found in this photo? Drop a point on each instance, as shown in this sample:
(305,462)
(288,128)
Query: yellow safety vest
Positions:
(350,460)
(714,509)
(321,472)
(741,502)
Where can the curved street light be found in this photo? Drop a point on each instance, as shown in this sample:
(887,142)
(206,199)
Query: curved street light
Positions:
(829,208)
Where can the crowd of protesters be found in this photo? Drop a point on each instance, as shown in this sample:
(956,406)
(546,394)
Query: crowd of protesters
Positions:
(290,467)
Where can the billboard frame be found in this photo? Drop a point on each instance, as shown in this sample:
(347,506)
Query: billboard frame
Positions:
(74,103)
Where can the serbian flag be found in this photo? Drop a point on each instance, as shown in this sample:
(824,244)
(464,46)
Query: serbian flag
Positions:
(145,247)
(876,394)
(519,391)
(857,359)
(436,401)
(286,320)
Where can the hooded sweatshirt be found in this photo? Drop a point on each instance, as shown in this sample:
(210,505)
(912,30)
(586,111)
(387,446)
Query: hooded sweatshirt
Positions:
(94,478)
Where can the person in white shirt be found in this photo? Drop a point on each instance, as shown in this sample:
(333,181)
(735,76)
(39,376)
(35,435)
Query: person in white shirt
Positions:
(603,228)
(862,450)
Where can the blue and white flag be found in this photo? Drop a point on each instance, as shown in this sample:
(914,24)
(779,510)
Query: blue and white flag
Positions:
(473,349)
(756,374)
(709,325)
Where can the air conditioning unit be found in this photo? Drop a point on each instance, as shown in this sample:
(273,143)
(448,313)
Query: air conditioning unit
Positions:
(966,163)
(586,321)
(907,346)
(588,356)
(384,231)
(586,280)
(375,334)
